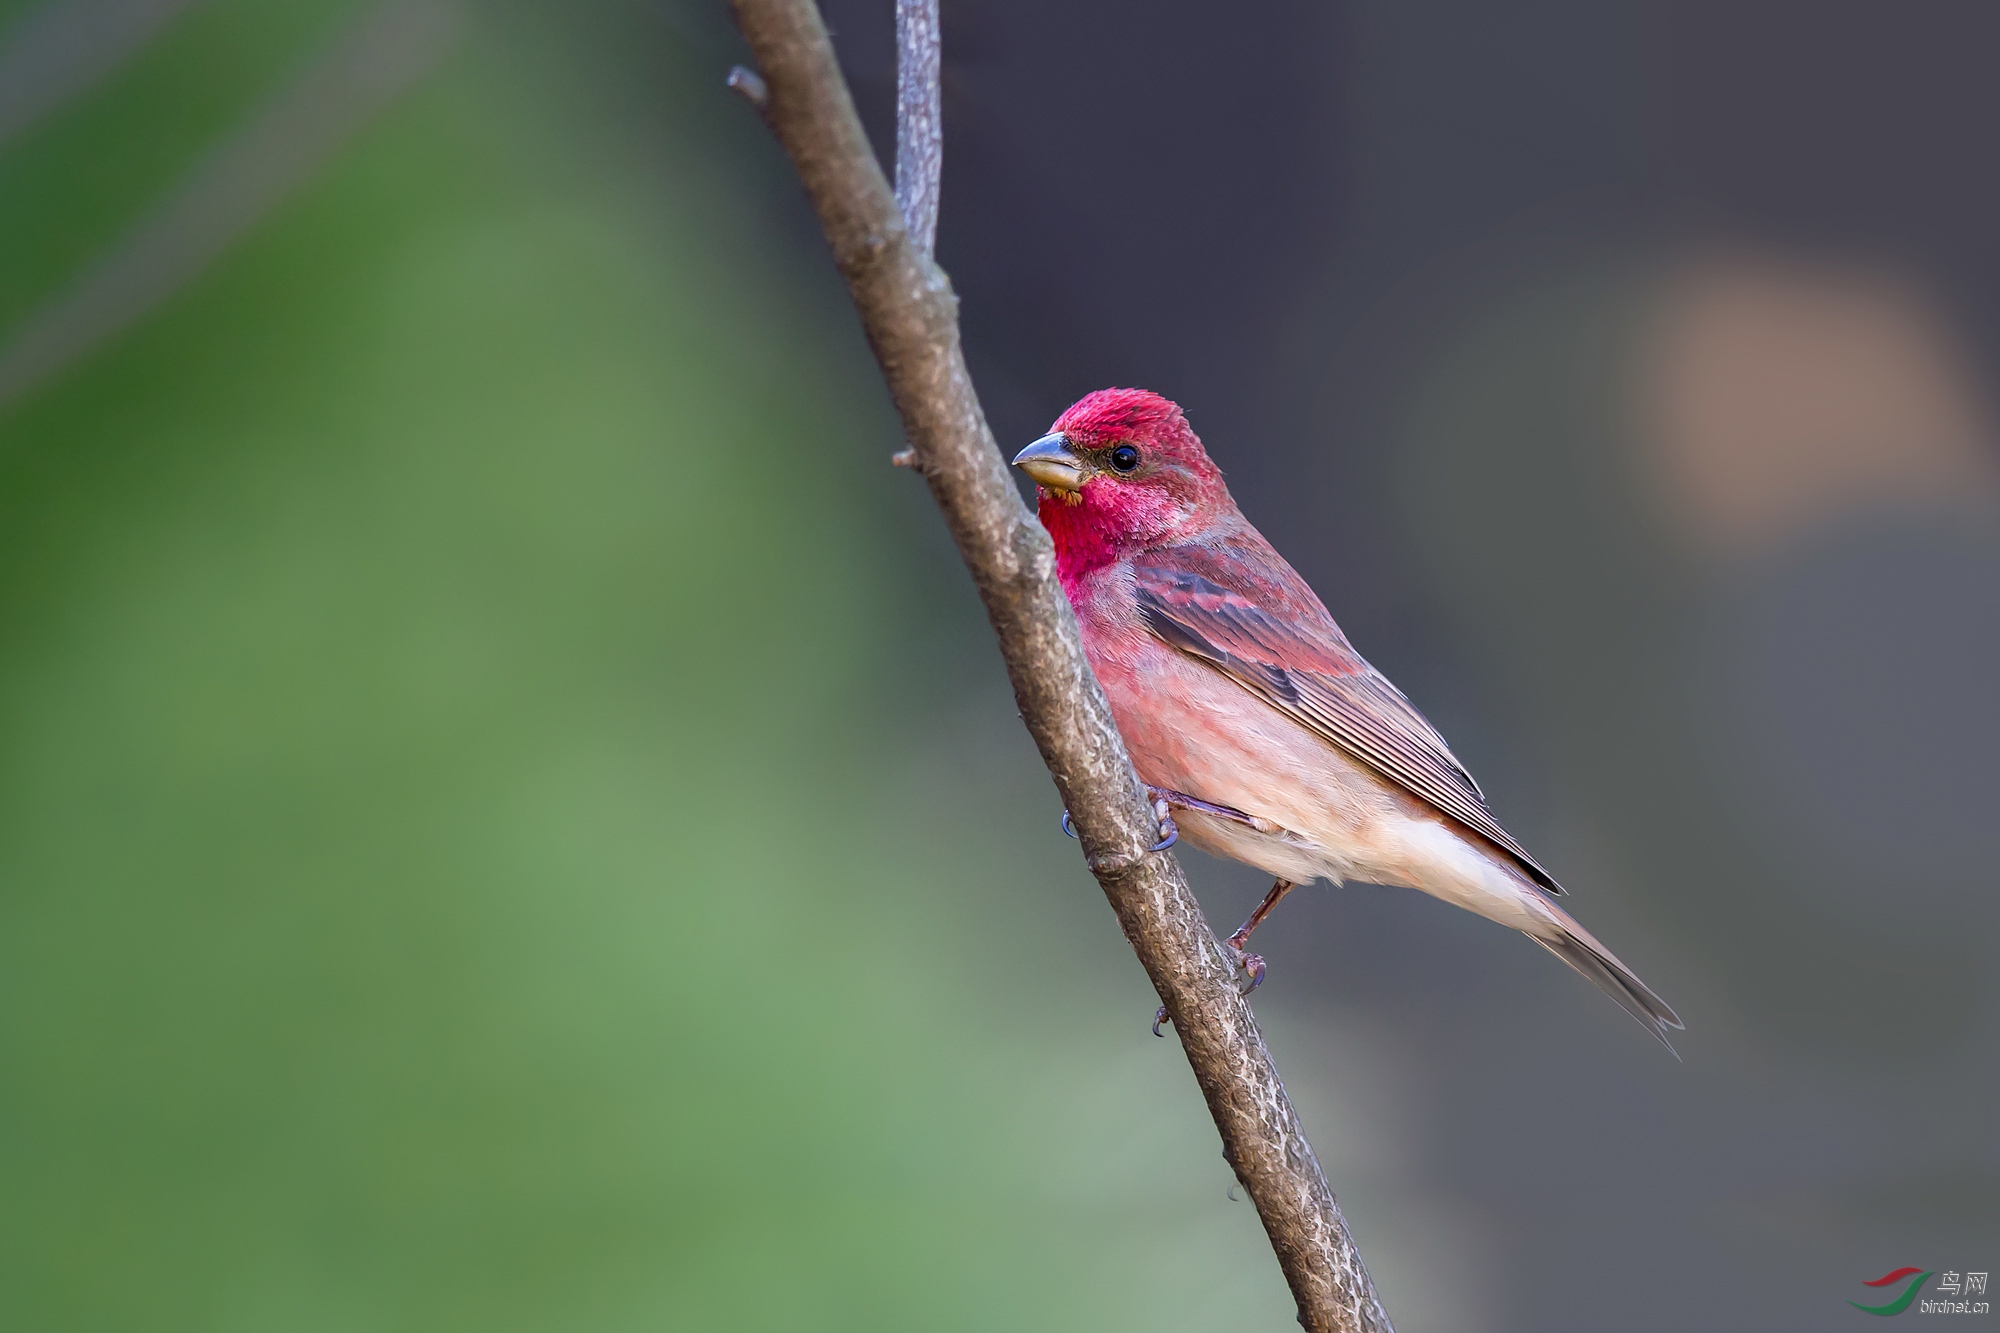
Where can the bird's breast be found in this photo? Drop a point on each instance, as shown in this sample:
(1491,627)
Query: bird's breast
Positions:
(1192,729)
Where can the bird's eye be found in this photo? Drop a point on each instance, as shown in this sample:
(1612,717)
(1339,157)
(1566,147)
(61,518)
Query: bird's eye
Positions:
(1124,458)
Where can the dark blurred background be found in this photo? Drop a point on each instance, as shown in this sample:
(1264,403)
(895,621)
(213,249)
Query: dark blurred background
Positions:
(509,816)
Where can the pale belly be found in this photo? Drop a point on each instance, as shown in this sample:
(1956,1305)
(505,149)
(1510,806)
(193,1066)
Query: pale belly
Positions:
(1193,730)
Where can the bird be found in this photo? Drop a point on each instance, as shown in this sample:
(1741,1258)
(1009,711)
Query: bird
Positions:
(1260,732)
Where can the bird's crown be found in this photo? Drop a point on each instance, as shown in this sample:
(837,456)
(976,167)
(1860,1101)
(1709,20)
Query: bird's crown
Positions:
(1110,416)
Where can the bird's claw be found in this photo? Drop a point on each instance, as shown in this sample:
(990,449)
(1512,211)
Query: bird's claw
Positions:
(1253,967)
(1251,963)
(1159,1018)
(1170,832)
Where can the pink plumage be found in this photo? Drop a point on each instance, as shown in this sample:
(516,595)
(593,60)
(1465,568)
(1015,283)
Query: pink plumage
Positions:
(1233,686)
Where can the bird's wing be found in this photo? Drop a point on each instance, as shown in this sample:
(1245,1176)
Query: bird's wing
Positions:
(1253,618)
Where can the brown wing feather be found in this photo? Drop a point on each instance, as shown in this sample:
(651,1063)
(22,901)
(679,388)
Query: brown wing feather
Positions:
(1273,637)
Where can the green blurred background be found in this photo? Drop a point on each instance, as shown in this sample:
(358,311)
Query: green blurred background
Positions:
(475,849)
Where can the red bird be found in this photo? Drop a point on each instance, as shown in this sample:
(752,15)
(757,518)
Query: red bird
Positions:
(1245,708)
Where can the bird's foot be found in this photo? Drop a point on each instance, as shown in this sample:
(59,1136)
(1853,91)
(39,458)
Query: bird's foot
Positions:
(1253,969)
(1251,963)
(1170,832)
(1165,799)
(1182,800)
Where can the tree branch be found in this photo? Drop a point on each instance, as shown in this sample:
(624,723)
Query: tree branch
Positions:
(910,315)
(919,119)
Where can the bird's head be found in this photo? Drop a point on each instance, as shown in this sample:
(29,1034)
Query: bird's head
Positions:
(1121,471)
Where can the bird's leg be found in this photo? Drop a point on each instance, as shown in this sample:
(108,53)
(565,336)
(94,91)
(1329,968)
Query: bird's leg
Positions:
(1165,799)
(1187,802)
(1252,964)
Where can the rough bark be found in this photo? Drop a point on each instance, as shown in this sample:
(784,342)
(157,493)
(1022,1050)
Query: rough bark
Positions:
(910,315)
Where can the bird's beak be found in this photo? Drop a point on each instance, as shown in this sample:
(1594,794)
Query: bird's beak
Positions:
(1052,464)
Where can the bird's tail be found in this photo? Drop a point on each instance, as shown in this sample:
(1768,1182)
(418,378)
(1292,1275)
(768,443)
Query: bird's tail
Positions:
(1562,936)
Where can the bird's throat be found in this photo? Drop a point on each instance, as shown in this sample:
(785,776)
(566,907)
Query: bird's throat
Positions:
(1100,524)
